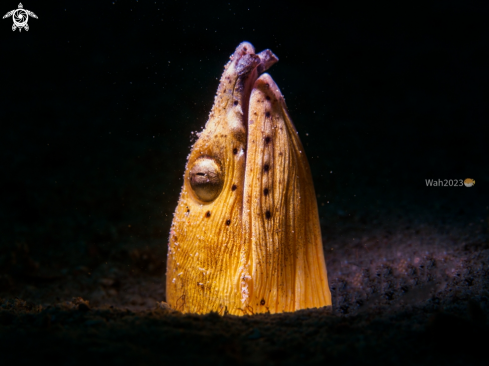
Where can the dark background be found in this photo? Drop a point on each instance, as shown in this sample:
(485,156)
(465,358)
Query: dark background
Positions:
(99,101)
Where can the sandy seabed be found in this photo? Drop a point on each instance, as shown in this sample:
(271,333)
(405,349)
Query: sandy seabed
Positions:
(405,290)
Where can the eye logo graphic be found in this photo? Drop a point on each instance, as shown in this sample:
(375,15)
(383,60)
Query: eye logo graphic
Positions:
(20,17)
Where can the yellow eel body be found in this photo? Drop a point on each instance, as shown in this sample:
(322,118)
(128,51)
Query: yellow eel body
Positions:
(245,236)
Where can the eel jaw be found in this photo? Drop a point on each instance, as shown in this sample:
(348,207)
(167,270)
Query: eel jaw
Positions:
(283,266)
(245,68)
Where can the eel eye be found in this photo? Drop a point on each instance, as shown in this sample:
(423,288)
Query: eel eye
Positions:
(206,178)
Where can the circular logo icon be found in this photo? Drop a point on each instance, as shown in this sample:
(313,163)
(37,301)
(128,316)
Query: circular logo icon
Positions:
(469,182)
(20,18)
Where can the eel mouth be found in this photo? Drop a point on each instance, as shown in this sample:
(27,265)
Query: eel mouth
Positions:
(248,67)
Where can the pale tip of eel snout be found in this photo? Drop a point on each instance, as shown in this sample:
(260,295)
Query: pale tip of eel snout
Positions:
(244,48)
(244,59)
(266,84)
